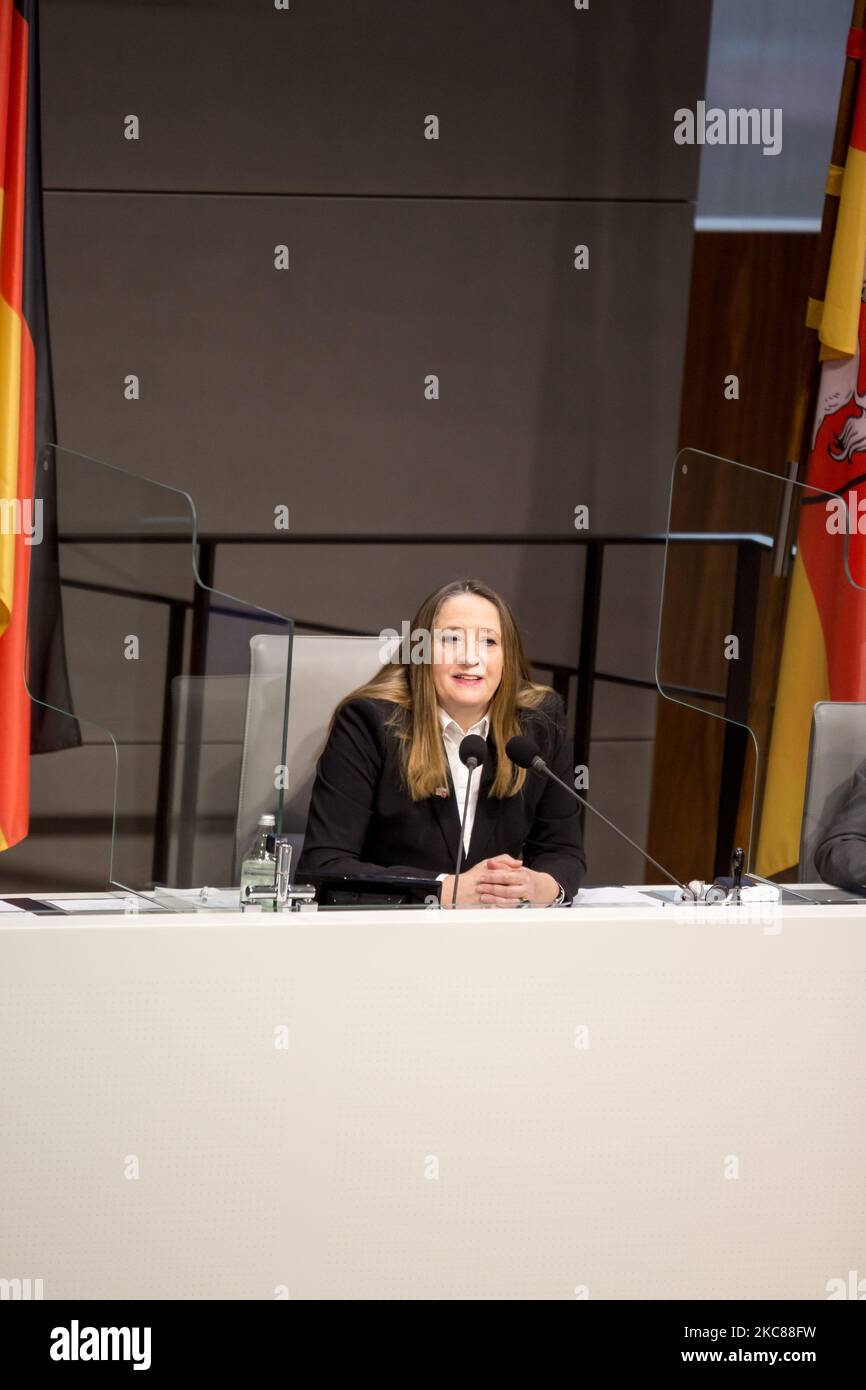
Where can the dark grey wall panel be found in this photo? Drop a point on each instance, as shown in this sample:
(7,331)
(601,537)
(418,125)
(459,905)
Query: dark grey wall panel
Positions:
(534,97)
(558,386)
(620,784)
(370,587)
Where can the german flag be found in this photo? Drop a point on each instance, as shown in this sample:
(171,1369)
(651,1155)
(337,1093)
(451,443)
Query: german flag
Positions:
(824,651)
(28,539)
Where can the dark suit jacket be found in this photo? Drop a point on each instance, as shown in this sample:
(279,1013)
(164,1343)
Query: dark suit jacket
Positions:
(840,854)
(362,820)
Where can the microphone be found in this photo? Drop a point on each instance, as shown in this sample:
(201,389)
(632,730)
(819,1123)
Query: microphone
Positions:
(737,859)
(472,752)
(522,751)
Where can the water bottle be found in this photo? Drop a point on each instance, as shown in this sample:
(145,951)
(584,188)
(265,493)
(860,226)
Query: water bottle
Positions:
(258,866)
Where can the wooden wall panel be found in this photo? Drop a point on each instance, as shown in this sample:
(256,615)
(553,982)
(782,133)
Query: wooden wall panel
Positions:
(746,317)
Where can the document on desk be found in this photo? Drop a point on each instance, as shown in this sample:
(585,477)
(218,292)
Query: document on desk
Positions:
(614,897)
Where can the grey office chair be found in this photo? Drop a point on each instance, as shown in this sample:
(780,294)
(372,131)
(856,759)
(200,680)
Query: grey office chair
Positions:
(837,746)
(324,669)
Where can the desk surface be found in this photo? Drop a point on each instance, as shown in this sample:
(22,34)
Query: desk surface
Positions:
(627,1104)
(129,910)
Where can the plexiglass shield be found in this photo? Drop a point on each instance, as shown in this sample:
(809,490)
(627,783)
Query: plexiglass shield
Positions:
(759,570)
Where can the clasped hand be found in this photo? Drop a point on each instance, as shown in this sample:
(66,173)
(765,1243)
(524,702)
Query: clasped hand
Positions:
(500,882)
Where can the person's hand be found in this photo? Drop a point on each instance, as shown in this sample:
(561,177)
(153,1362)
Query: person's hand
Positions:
(500,882)
(506,882)
(467,888)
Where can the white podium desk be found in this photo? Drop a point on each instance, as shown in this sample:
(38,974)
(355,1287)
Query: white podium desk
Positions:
(603,1103)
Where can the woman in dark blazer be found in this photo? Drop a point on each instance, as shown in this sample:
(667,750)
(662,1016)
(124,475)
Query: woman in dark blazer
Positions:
(389,789)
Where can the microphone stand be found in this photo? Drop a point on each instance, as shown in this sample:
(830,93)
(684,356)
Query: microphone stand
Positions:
(471,764)
(540,765)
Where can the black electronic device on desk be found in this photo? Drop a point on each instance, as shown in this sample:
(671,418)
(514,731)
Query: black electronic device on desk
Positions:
(370,890)
(35,906)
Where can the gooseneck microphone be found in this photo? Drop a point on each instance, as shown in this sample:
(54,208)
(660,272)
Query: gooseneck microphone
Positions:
(472,752)
(522,751)
(737,871)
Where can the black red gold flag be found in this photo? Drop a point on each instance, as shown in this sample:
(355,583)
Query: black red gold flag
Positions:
(28,503)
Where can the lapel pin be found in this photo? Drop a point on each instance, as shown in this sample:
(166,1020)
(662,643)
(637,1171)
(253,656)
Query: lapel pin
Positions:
(441,791)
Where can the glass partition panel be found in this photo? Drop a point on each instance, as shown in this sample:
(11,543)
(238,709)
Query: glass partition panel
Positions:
(730,553)
(160,669)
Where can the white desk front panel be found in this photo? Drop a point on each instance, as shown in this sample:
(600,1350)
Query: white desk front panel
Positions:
(414,1105)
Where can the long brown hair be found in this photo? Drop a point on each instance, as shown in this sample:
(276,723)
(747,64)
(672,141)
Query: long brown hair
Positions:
(409,685)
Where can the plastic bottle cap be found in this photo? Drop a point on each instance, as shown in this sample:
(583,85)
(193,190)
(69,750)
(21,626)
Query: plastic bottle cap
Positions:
(267,819)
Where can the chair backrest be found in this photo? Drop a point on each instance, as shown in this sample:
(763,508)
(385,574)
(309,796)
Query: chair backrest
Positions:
(324,670)
(837,746)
